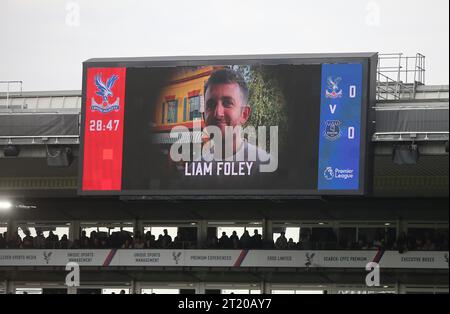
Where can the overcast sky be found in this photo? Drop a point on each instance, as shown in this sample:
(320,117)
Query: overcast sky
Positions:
(43,42)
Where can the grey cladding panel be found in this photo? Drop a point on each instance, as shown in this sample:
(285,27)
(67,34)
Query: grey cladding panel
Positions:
(414,120)
(39,124)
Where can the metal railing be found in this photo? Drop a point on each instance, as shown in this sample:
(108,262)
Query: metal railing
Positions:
(39,139)
(8,90)
(399,75)
(410,136)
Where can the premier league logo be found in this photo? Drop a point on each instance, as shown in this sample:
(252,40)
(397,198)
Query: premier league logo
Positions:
(332,130)
(105,91)
(328,173)
(333,91)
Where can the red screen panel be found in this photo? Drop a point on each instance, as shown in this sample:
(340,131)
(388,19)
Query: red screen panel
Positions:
(103,131)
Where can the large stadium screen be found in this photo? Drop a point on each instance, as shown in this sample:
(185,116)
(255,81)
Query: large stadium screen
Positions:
(250,127)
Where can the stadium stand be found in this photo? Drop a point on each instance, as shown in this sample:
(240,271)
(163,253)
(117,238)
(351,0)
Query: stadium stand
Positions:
(244,246)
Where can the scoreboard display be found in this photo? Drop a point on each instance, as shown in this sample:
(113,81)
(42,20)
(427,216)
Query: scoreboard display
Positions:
(256,126)
(339,144)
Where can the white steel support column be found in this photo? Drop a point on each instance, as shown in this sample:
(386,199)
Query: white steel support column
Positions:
(74,230)
(331,289)
(139,226)
(133,287)
(267,229)
(264,287)
(11,228)
(137,287)
(200,288)
(400,288)
(9,287)
(335,226)
(136,228)
(202,232)
(401,227)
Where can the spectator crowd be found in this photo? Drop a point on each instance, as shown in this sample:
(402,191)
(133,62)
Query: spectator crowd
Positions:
(437,241)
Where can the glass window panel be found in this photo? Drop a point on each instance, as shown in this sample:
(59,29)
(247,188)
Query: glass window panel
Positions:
(194,108)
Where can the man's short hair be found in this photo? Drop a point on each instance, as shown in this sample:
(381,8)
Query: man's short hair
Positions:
(228,76)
